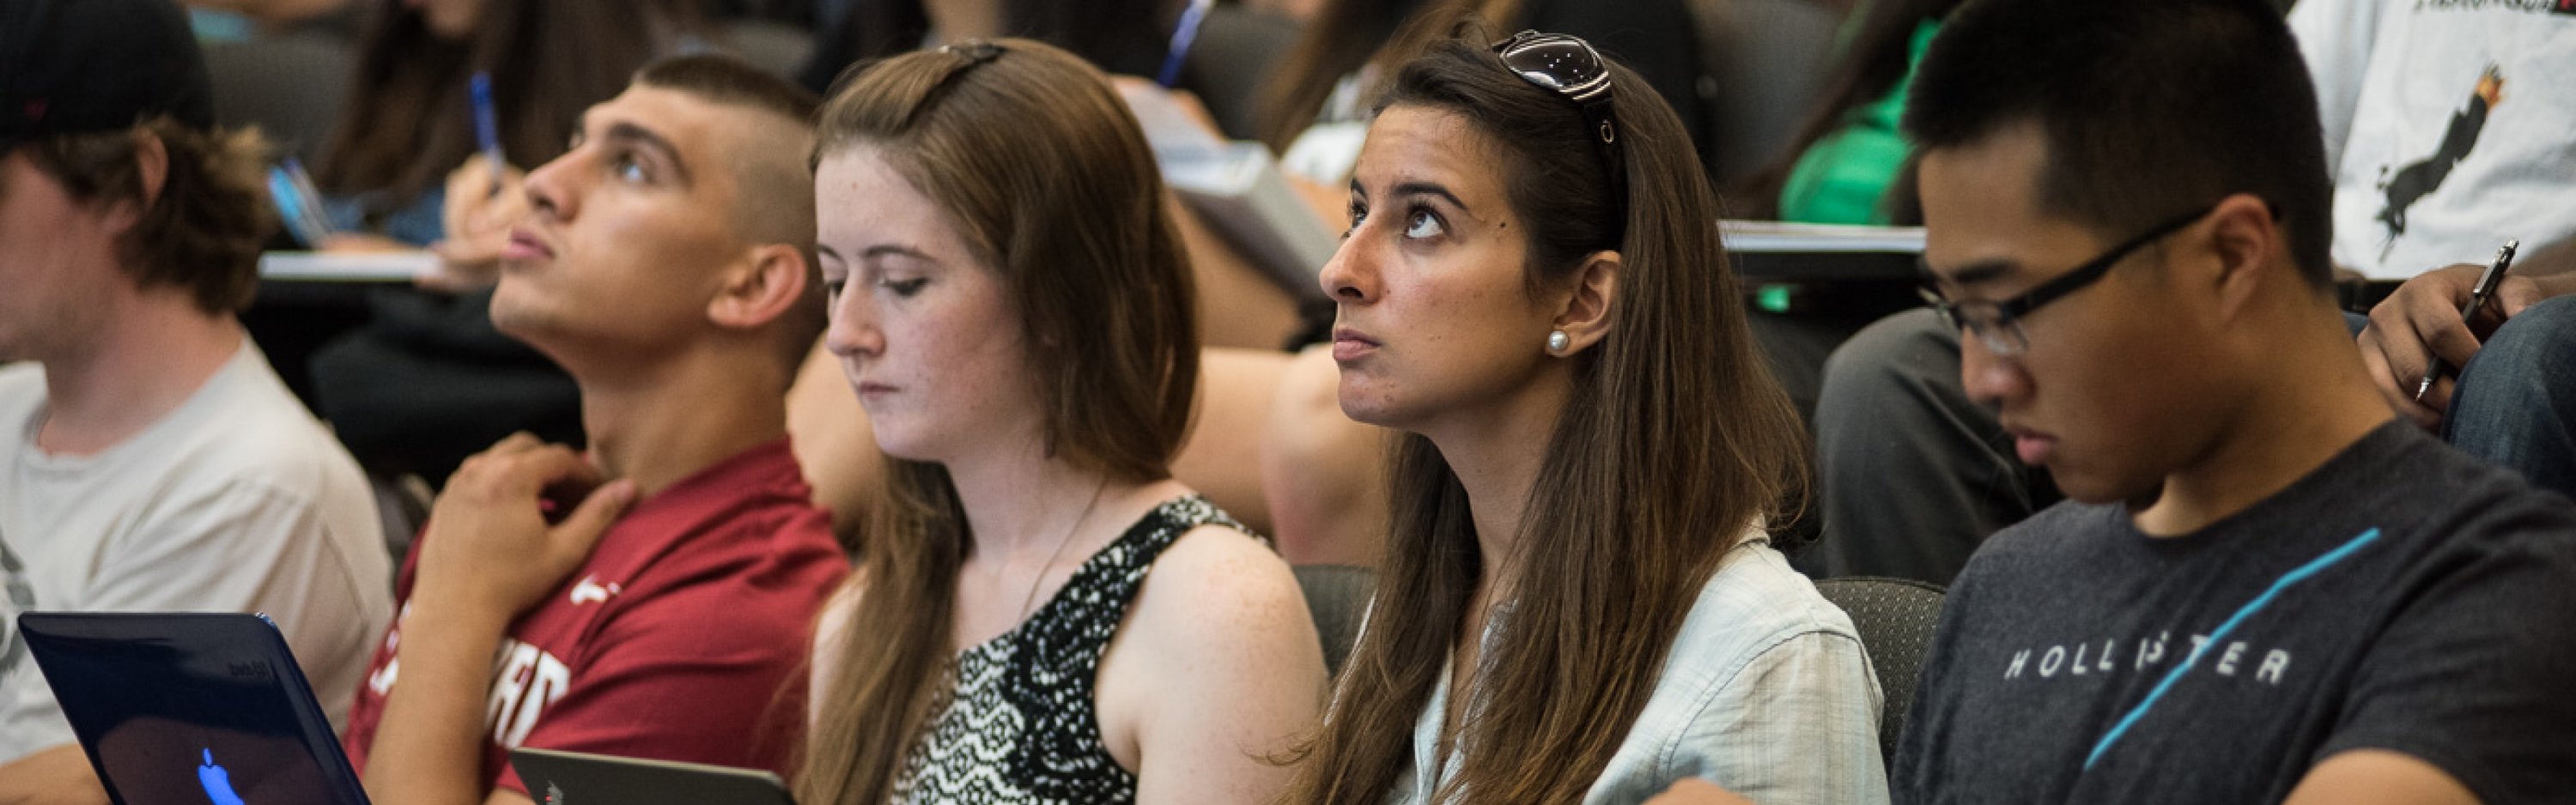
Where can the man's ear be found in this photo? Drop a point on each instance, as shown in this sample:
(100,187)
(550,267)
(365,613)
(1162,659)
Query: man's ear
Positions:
(769,281)
(152,171)
(1584,316)
(2241,231)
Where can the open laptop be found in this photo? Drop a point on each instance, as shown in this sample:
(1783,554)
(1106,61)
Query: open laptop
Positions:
(574,778)
(191,707)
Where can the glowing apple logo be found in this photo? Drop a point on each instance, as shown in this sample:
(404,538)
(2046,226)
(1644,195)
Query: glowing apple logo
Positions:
(218,783)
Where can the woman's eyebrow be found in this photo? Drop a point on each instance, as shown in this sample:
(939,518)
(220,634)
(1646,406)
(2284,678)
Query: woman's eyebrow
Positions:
(1429,189)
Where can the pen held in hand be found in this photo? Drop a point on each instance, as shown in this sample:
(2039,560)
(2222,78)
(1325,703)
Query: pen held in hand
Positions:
(487,128)
(299,205)
(2478,295)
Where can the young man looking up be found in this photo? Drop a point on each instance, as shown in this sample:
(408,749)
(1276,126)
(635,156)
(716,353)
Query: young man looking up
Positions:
(2265,587)
(660,607)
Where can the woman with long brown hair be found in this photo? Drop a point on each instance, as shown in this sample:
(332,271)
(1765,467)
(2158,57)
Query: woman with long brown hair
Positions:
(1011,303)
(1579,602)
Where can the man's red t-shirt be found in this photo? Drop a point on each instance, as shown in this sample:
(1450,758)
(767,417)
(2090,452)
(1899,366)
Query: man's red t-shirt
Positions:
(684,637)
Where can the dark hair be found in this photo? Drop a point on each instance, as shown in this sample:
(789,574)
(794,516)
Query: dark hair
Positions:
(2149,110)
(1049,179)
(1873,64)
(781,179)
(729,80)
(202,232)
(1676,441)
(407,120)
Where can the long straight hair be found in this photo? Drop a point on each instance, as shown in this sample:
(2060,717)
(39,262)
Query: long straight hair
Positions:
(1675,442)
(407,119)
(1042,166)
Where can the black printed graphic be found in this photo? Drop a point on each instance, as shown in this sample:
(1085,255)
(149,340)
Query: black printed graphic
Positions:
(22,597)
(2419,179)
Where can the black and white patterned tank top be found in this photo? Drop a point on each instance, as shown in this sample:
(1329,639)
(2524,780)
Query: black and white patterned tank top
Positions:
(1017,724)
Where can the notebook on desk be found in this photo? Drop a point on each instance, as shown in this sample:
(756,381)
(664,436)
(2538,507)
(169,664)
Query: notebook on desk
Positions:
(1771,251)
(393,267)
(1239,190)
(191,707)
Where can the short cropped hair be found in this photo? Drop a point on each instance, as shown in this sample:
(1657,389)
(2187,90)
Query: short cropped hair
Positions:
(202,232)
(2149,109)
(728,80)
(778,188)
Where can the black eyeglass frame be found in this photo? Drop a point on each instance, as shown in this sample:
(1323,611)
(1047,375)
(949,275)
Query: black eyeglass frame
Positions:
(1998,323)
(1534,57)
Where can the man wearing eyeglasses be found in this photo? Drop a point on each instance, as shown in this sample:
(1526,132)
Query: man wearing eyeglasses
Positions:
(2445,134)
(2264,587)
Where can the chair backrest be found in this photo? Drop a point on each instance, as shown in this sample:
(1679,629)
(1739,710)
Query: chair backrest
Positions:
(1895,619)
(1231,62)
(1767,59)
(1337,596)
(776,47)
(289,85)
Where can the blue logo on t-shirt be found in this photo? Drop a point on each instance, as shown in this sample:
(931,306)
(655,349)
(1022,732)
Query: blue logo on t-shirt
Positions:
(2296,575)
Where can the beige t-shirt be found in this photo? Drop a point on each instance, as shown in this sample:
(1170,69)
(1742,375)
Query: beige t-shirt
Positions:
(237,501)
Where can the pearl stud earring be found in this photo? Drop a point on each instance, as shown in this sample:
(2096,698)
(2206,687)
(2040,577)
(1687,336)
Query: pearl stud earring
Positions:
(1557,341)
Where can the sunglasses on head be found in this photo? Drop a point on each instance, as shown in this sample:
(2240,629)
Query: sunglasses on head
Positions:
(1569,67)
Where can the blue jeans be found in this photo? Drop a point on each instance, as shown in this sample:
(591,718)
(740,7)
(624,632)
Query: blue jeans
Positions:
(2516,402)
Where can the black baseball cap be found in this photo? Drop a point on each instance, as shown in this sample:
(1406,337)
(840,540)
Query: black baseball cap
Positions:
(88,66)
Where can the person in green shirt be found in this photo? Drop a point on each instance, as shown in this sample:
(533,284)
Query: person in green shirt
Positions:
(1849,155)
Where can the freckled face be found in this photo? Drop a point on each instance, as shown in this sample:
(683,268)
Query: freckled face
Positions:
(924,329)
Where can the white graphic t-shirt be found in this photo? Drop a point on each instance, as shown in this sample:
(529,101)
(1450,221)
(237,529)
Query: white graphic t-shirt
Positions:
(2450,126)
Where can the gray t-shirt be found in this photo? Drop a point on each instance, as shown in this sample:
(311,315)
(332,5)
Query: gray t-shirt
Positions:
(2401,597)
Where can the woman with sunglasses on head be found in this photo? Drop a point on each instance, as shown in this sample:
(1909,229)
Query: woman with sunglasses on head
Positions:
(1579,603)
(1011,303)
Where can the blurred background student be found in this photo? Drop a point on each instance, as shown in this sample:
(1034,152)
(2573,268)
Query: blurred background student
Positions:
(1848,164)
(406,123)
